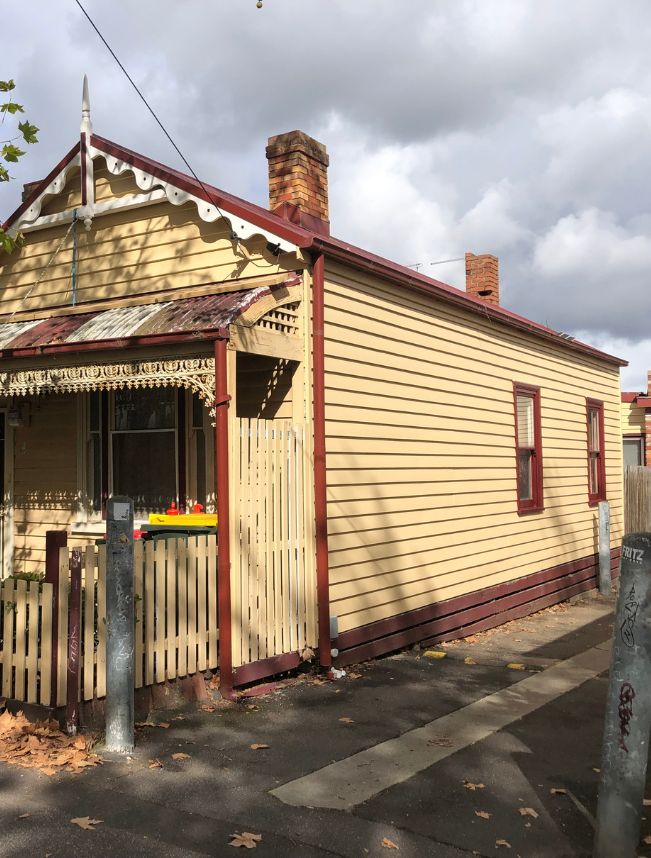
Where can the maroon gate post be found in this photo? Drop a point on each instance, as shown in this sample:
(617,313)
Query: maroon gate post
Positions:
(54,540)
(74,640)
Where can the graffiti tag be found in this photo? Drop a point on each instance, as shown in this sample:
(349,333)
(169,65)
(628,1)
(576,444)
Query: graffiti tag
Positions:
(625,712)
(627,628)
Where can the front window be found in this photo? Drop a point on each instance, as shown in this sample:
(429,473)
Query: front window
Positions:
(528,448)
(596,462)
(634,451)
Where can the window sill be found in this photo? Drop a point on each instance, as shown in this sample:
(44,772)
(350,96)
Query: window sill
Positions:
(531,510)
(595,501)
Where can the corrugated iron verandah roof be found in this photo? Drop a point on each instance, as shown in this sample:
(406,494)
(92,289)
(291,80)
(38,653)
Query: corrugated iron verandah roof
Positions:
(185,316)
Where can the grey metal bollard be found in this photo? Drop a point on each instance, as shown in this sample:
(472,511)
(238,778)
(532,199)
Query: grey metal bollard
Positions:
(119,626)
(605,582)
(628,709)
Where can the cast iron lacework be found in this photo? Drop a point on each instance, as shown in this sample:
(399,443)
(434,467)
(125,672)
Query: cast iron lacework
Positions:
(194,373)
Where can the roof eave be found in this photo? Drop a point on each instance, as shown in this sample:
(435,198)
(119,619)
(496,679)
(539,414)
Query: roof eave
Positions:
(392,271)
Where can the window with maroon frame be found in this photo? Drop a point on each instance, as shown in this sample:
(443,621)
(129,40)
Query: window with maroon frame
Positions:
(596,461)
(528,445)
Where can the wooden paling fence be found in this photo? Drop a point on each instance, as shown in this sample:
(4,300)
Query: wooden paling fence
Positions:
(637,499)
(176,628)
(273,579)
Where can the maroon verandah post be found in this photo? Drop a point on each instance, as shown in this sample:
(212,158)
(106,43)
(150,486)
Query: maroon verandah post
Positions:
(54,540)
(223,512)
(74,643)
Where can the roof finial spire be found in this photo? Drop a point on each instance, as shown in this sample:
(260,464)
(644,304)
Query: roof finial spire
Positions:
(86,125)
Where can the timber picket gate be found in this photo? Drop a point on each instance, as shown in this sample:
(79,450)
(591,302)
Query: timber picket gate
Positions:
(176,630)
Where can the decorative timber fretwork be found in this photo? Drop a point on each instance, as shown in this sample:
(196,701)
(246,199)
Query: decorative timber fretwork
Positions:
(194,373)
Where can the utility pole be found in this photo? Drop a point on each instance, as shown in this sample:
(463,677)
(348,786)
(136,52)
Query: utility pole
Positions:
(628,709)
(119,626)
(605,582)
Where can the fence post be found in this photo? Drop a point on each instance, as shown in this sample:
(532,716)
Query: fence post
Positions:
(54,540)
(119,626)
(605,583)
(74,639)
(628,709)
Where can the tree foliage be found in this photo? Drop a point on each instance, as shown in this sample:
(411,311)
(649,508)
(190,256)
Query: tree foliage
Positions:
(10,148)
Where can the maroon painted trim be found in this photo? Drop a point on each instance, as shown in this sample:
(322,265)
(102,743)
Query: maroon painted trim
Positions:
(477,611)
(220,199)
(84,167)
(54,540)
(536,503)
(598,406)
(266,667)
(644,401)
(223,517)
(394,273)
(181,450)
(42,185)
(320,477)
(112,345)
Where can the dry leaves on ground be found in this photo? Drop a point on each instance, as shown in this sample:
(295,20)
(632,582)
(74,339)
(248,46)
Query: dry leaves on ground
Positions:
(246,839)
(42,746)
(155,764)
(470,785)
(559,791)
(353,675)
(389,844)
(483,814)
(24,815)
(164,724)
(346,720)
(307,654)
(469,660)
(528,811)
(179,755)
(258,746)
(504,843)
(86,822)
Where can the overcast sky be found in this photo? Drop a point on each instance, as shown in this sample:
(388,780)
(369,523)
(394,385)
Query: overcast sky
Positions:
(512,127)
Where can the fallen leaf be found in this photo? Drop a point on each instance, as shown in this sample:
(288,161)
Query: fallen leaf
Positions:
(503,843)
(207,707)
(472,786)
(560,791)
(24,815)
(434,653)
(86,822)
(469,660)
(164,724)
(647,840)
(441,741)
(252,707)
(346,720)
(180,756)
(179,718)
(483,814)
(155,764)
(307,654)
(258,746)
(647,802)
(389,844)
(528,811)
(516,665)
(353,675)
(594,769)
(246,839)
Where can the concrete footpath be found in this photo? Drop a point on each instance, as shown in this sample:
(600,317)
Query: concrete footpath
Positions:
(412,754)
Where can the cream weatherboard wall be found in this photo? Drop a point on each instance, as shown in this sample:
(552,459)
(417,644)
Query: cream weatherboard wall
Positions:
(632,419)
(421,479)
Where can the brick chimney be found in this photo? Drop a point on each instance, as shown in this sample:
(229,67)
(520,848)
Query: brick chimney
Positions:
(482,277)
(298,180)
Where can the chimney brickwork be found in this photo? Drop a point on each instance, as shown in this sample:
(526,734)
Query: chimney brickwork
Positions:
(482,277)
(298,179)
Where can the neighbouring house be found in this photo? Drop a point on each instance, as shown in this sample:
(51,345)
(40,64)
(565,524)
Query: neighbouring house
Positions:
(636,428)
(391,459)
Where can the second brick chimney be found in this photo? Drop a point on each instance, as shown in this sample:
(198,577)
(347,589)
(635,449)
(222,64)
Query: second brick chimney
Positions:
(482,277)
(298,180)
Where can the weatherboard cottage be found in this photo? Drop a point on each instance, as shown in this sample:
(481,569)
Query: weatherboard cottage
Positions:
(390,459)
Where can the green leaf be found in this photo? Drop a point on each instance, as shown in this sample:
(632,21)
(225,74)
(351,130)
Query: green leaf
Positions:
(6,242)
(4,174)
(7,85)
(11,107)
(11,153)
(28,131)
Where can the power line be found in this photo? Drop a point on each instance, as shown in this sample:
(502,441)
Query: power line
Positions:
(418,265)
(234,235)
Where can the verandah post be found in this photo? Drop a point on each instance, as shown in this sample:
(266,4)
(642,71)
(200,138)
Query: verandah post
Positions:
(74,643)
(120,637)
(54,541)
